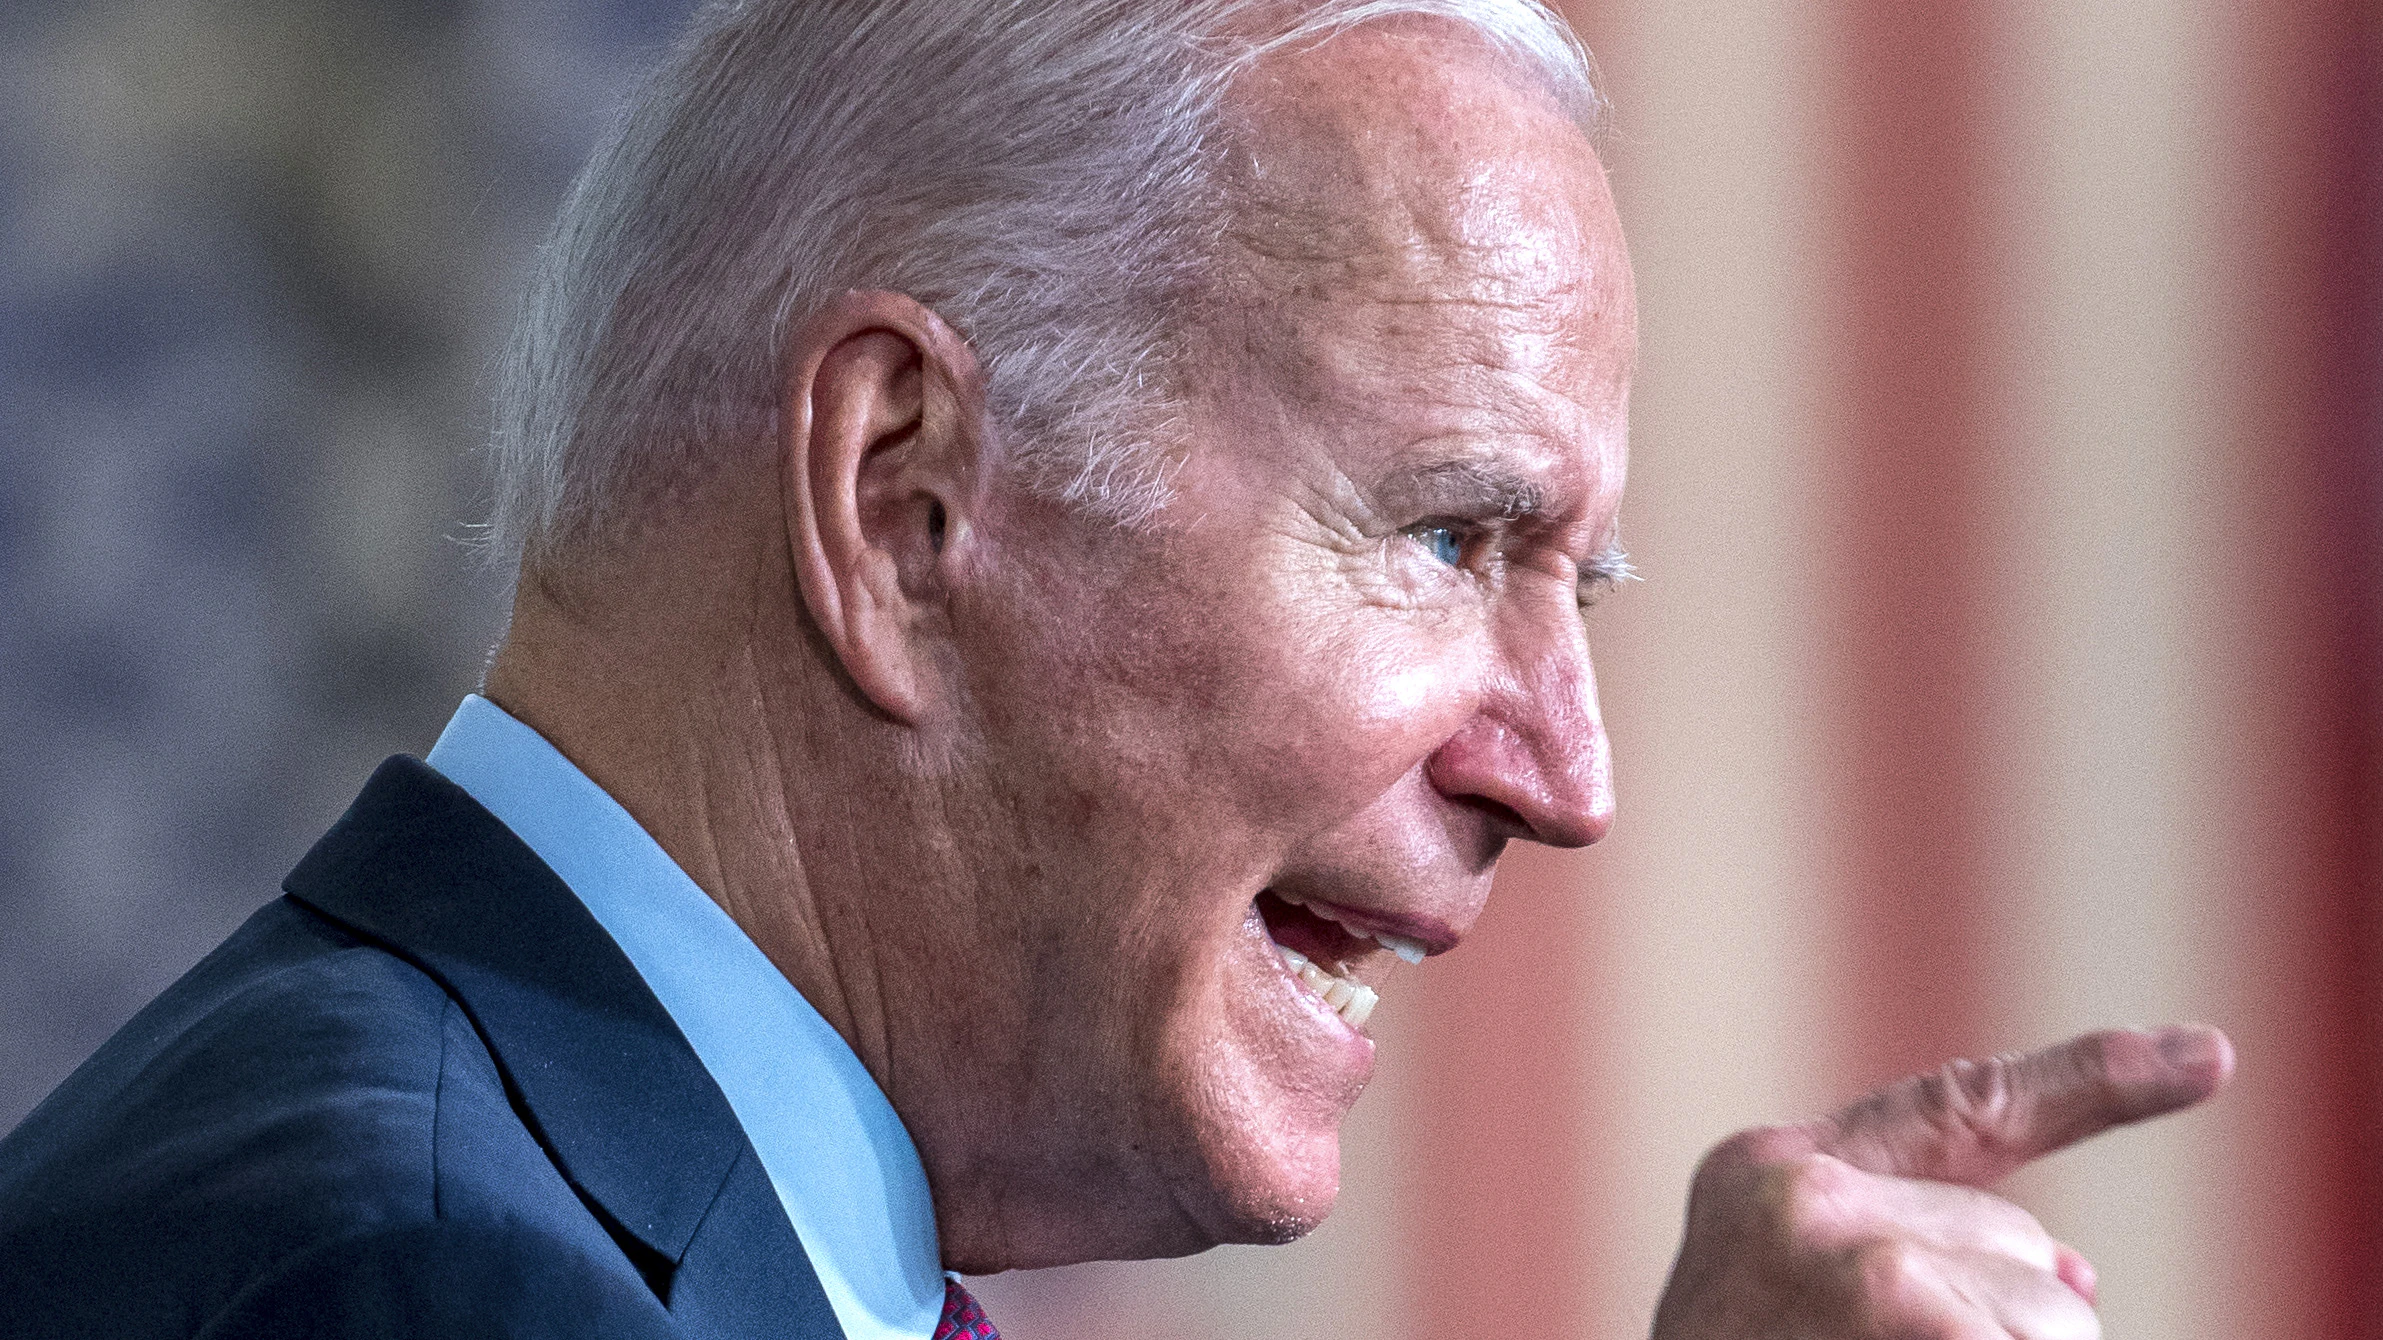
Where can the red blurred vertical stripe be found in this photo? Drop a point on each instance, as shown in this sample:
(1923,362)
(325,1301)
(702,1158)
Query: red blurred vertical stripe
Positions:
(2305,209)
(2346,439)
(1907,509)
(2355,227)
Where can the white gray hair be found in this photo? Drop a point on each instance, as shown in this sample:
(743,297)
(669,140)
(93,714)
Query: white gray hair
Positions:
(1038,172)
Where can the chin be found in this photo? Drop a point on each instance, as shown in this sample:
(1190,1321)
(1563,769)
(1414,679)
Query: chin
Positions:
(1274,1184)
(1286,1213)
(1263,1174)
(1253,1220)
(1285,1225)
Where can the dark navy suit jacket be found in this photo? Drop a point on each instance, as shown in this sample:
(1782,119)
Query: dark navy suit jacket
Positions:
(424,1094)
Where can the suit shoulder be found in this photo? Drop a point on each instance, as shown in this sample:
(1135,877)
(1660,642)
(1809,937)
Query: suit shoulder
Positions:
(283,1092)
(465,1278)
(288,1024)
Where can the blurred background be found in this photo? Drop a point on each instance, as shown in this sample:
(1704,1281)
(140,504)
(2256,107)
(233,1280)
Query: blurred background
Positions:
(2008,474)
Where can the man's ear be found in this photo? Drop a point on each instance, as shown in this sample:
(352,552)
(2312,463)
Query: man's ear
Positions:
(882,412)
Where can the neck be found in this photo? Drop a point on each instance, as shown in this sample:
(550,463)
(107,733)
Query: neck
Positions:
(668,700)
(716,718)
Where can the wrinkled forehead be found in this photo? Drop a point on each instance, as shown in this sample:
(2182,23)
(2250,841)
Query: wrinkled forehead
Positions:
(1423,231)
(1414,151)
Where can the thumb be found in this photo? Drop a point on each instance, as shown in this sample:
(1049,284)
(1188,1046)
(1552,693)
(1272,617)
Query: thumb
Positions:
(1972,1122)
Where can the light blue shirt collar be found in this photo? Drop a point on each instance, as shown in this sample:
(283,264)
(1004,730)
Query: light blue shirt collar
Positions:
(844,1167)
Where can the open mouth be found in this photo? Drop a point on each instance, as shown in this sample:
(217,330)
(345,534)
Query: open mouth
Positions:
(1324,954)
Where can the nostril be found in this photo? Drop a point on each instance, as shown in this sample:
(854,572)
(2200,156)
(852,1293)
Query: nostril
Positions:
(1526,777)
(1508,820)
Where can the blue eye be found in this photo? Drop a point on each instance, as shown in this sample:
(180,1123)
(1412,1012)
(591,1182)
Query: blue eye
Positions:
(1443,541)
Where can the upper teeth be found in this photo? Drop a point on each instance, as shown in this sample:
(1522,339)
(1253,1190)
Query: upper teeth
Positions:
(1353,1000)
(1413,951)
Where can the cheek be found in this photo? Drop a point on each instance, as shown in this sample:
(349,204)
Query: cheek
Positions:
(1209,708)
(1356,710)
(1399,697)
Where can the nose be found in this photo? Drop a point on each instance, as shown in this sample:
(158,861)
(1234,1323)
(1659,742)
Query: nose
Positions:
(1534,755)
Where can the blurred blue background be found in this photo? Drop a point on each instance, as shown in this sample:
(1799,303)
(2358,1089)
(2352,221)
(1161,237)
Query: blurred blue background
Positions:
(255,259)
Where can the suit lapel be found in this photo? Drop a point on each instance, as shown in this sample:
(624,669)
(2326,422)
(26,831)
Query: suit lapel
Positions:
(604,1077)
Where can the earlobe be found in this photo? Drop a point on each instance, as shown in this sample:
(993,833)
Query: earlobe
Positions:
(880,412)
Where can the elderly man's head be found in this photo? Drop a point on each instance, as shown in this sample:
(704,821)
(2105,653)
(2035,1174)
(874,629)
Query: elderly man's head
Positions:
(1069,520)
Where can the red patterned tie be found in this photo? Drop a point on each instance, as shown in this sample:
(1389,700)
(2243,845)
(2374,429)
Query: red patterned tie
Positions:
(962,1318)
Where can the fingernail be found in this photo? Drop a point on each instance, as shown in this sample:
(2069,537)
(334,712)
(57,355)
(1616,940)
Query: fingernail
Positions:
(2192,1048)
(2076,1272)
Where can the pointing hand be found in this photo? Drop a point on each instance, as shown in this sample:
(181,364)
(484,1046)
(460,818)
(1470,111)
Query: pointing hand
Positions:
(1870,1224)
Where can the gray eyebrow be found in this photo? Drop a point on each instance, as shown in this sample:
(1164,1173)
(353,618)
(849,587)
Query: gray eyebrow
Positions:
(1483,489)
(1477,488)
(1608,568)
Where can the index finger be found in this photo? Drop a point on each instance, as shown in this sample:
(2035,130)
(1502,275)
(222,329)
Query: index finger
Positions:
(1972,1122)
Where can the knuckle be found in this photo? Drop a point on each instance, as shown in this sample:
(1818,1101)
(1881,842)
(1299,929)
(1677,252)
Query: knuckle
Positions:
(1776,1186)
(1979,1093)
(1747,1151)
(1814,1198)
(1970,1100)
(1901,1296)
(1895,1295)
(1759,1145)
(1892,1276)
